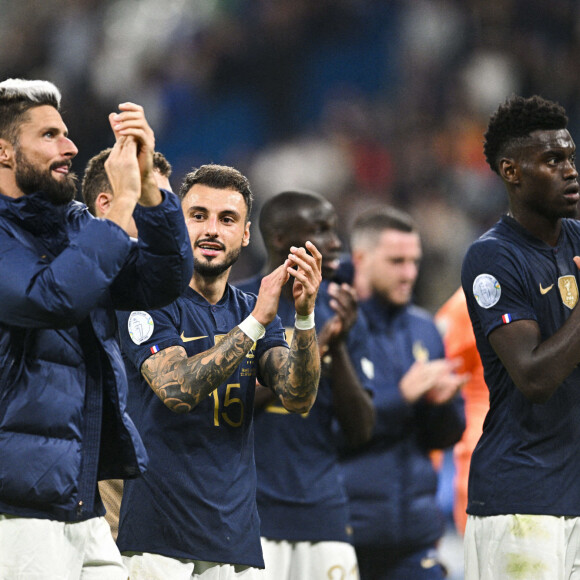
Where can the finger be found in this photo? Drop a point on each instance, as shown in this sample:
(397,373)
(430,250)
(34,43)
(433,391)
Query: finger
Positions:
(315,253)
(302,260)
(113,123)
(349,290)
(302,276)
(129,106)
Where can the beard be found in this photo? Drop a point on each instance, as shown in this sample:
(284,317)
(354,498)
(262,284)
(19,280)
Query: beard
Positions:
(209,270)
(30,179)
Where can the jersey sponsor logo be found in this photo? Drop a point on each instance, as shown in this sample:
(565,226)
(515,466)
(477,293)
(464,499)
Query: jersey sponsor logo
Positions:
(140,326)
(486,290)
(190,338)
(568,290)
(545,290)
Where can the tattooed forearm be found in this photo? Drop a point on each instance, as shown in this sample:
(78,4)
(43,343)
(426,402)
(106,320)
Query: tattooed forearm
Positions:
(294,373)
(182,382)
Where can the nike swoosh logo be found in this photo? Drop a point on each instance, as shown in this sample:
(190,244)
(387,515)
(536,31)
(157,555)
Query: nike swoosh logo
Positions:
(545,290)
(190,338)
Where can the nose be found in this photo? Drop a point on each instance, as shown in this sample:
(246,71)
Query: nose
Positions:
(211,226)
(570,171)
(410,271)
(334,242)
(68,148)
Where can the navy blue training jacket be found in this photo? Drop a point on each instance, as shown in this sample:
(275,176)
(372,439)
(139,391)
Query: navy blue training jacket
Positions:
(63,386)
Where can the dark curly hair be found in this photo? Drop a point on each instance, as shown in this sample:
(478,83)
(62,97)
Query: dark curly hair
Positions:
(514,120)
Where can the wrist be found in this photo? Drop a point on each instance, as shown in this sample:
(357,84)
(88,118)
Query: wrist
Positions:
(252,328)
(304,322)
(151,195)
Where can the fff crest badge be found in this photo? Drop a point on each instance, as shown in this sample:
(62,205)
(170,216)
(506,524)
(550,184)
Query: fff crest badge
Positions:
(568,290)
(420,352)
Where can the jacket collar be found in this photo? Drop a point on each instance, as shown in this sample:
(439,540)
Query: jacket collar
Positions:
(36,214)
(381,314)
(42,219)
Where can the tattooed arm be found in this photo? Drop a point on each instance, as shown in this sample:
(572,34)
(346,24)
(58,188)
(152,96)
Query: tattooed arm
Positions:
(181,382)
(294,374)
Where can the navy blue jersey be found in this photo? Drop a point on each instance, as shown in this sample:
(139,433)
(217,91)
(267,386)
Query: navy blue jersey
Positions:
(391,482)
(300,492)
(527,458)
(197,500)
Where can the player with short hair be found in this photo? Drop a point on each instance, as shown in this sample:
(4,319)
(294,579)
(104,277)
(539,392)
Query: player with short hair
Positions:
(193,368)
(98,195)
(302,502)
(63,386)
(521,284)
(391,482)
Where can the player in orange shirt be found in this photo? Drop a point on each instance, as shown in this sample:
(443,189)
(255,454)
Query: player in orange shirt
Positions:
(455,326)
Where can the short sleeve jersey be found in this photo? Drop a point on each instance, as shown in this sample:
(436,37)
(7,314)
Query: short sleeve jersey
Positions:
(301,496)
(197,500)
(526,460)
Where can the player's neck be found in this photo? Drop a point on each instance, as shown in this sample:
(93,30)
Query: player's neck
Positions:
(540,226)
(211,288)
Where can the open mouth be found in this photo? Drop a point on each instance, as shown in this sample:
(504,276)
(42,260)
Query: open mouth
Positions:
(331,264)
(210,248)
(61,168)
(572,192)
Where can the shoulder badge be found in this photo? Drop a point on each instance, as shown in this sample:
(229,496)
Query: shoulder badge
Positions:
(486,290)
(140,326)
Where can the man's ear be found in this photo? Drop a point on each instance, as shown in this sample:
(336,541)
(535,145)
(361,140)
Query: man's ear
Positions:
(509,170)
(103,203)
(279,241)
(246,238)
(6,153)
(356,257)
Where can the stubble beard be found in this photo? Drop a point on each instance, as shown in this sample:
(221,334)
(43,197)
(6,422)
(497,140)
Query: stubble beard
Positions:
(209,270)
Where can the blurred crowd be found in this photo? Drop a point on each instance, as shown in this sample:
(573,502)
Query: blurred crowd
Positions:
(364,101)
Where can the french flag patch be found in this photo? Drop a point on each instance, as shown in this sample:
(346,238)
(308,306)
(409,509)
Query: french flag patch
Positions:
(154,348)
(507,318)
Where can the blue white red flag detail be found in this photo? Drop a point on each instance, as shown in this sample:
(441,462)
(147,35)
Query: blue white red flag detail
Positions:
(155,348)
(506,318)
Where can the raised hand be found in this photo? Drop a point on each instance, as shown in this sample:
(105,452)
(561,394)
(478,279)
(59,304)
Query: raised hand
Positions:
(266,306)
(306,269)
(345,305)
(436,380)
(131,122)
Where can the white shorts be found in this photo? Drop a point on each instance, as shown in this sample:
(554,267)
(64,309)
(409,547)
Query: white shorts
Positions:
(300,560)
(522,546)
(36,549)
(146,566)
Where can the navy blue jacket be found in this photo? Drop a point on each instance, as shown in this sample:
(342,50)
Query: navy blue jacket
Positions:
(63,385)
(391,482)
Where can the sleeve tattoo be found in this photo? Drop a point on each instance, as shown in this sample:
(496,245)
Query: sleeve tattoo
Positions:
(181,382)
(294,374)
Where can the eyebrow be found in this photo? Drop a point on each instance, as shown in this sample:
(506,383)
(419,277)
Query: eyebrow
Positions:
(54,129)
(232,212)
